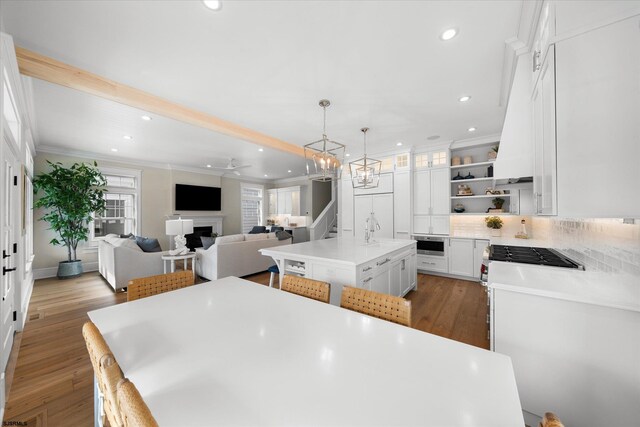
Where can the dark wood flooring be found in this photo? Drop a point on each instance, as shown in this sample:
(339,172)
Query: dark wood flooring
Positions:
(52,384)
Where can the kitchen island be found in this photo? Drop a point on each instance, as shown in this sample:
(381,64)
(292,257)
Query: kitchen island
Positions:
(382,265)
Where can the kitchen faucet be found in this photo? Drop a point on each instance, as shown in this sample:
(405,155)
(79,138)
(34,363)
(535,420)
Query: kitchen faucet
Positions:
(371,225)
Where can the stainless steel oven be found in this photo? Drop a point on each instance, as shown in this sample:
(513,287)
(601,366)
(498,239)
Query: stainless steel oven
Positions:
(428,245)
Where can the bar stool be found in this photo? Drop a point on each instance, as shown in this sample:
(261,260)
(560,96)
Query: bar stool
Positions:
(273,270)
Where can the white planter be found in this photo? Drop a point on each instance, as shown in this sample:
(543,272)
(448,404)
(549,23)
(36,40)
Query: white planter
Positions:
(496,232)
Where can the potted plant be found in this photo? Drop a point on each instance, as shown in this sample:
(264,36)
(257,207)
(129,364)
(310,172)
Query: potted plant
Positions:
(493,154)
(495,224)
(498,202)
(70,196)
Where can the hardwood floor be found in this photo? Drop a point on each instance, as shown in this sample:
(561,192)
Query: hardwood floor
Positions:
(53,379)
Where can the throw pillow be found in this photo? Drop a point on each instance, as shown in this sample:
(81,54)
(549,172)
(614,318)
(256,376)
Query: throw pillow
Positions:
(207,241)
(258,229)
(127,236)
(283,235)
(148,244)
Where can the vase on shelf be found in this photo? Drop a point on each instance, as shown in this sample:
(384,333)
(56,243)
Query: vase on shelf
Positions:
(496,232)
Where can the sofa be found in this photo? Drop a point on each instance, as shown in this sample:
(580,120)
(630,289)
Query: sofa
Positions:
(121,259)
(236,255)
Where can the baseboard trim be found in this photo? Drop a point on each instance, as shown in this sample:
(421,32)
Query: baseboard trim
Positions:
(47,272)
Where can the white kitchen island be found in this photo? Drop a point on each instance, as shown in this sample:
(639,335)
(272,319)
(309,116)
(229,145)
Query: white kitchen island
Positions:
(382,265)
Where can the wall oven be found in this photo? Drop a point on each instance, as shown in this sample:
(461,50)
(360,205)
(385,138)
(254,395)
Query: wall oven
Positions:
(428,245)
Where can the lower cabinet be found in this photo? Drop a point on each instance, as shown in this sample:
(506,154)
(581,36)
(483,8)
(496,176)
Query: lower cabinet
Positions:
(461,257)
(394,275)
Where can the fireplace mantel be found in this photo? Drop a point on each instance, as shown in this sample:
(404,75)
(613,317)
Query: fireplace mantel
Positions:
(214,221)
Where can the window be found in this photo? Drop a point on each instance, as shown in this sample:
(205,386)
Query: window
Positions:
(387,164)
(122,199)
(402,160)
(251,197)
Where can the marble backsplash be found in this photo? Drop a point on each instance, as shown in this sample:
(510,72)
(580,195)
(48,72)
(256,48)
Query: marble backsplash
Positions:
(609,245)
(475,227)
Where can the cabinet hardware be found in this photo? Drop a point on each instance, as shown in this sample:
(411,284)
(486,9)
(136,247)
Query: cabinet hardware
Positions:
(15,180)
(367,280)
(488,334)
(536,61)
(383,262)
(7,270)
(15,315)
(4,254)
(15,248)
(367,269)
(488,321)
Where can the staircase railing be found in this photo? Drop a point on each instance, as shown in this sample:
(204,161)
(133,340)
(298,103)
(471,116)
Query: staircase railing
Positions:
(324,222)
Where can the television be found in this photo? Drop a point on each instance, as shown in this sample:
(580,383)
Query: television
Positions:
(198,198)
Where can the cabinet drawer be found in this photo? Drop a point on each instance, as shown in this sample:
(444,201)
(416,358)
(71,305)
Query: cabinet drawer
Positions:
(433,264)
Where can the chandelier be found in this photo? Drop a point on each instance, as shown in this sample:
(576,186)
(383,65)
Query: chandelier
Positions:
(365,172)
(324,157)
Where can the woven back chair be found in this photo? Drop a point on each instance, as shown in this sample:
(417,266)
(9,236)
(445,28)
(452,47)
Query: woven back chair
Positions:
(382,306)
(135,413)
(551,420)
(314,289)
(153,285)
(105,369)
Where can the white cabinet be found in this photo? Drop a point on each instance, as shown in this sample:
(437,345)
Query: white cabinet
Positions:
(598,130)
(432,159)
(431,201)
(273,201)
(403,275)
(380,280)
(402,204)
(385,185)
(345,208)
(286,201)
(382,207)
(461,257)
(478,251)
(544,137)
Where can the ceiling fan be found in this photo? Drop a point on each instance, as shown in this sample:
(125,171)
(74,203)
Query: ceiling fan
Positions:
(231,167)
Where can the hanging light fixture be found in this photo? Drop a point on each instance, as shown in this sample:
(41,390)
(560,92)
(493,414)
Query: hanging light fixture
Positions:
(365,172)
(324,157)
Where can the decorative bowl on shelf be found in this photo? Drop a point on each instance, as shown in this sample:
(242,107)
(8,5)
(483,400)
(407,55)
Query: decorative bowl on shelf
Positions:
(469,176)
(457,177)
(459,208)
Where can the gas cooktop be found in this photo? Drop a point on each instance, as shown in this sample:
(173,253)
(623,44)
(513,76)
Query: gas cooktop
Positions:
(528,255)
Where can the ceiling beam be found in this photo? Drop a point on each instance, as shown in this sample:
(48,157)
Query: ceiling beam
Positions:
(33,64)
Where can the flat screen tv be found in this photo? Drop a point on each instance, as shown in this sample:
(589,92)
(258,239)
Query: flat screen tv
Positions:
(198,198)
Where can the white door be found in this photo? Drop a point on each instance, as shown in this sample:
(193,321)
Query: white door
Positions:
(362,206)
(402,204)
(461,257)
(9,219)
(382,208)
(422,192)
(346,207)
(440,188)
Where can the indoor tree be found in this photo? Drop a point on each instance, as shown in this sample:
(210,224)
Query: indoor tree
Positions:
(70,196)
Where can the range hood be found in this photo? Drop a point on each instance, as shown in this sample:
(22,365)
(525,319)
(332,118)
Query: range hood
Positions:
(515,158)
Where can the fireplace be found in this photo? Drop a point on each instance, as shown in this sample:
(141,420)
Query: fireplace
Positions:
(193,239)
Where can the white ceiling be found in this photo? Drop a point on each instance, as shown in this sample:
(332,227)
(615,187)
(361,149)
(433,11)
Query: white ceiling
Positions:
(265,65)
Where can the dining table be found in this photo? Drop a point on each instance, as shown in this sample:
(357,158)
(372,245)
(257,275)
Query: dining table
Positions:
(231,352)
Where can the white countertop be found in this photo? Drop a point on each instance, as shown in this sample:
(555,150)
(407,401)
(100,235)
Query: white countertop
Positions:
(607,289)
(341,250)
(232,352)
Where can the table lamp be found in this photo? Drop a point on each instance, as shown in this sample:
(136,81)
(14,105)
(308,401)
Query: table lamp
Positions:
(178,228)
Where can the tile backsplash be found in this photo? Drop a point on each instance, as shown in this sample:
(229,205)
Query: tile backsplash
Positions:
(604,244)
(474,226)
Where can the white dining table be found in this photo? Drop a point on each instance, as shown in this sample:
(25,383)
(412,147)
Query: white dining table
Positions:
(232,352)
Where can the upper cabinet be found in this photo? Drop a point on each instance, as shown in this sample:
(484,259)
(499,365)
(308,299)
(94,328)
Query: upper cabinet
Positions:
(432,159)
(598,126)
(287,201)
(544,138)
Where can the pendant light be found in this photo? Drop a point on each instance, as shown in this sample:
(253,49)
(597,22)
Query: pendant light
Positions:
(365,172)
(324,157)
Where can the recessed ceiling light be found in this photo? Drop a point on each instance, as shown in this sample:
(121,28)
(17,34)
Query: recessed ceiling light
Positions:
(471,129)
(448,34)
(115,150)
(213,4)
(128,137)
(208,166)
(261,149)
(146,118)
(266,176)
(399,144)
(347,155)
(464,98)
(289,171)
